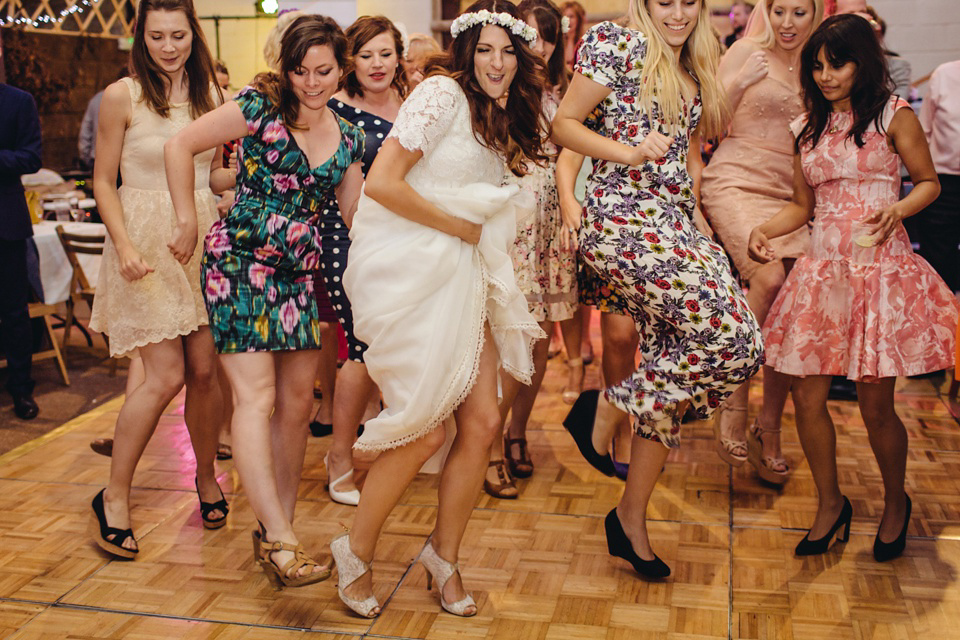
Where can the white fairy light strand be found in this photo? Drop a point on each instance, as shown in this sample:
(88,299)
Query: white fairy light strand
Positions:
(44,19)
(502,19)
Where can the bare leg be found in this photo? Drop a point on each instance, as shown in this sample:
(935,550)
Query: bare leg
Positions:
(819,441)
(253,380)
(163,378)
(620,339)
(527,395)
(478,424)
(509,388)
(327,371)
(572,332)
(226,406)
(586,347)
(888,439)
(350,401)
(647,458)
(765,284)
(288,424)
(202,410)
(389,476)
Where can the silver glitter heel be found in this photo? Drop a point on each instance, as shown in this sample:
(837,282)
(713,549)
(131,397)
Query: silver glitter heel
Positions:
(442,570)
(349,569)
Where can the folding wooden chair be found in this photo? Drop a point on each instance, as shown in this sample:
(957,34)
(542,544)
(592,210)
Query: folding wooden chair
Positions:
(80,289)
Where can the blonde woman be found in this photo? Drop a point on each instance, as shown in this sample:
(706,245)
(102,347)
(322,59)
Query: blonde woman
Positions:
(749,180)
(699,341)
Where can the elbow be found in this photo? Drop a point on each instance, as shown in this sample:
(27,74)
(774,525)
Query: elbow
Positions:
(559,134)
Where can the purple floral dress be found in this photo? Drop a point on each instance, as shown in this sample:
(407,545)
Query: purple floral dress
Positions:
(258,262)
(698,339)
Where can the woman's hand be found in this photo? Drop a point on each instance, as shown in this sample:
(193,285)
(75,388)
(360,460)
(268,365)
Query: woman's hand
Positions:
(183,242)
(700,221)
(226,201)
(754,69)
(884,222)
(570,216)
(759,247)
(469,232)
(132,265)
(651,148)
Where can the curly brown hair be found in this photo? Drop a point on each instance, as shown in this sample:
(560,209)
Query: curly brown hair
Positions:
(307,31)
(365,29)
(517,130)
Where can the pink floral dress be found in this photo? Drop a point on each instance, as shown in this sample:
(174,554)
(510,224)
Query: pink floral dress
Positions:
(860,312)
(258,262)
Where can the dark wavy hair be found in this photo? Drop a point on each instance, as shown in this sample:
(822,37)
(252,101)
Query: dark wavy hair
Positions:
(306,31)
(516,131)
(199,66)
(845,38)
(365,29)
(549,27)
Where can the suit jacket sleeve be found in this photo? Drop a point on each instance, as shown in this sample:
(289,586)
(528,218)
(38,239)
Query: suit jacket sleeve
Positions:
(25,157)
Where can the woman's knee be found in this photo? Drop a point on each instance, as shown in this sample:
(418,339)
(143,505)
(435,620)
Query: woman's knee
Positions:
(620,335)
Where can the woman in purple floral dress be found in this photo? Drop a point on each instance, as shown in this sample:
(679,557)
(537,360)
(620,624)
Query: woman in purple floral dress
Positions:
(655,81)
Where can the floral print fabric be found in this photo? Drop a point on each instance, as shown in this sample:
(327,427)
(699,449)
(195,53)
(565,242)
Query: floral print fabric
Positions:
(860,312)
(698,339)
(258,261)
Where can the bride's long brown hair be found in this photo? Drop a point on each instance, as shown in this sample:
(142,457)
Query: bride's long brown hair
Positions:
(517,130)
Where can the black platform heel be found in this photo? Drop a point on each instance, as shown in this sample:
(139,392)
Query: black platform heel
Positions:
(579,422)
(206,508)
(883,551)
(619,545)
(808,547)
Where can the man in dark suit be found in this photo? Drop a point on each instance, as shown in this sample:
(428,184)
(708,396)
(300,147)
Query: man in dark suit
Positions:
(19,155)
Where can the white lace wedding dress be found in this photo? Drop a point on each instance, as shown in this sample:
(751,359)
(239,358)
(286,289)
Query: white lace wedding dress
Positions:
(421,297)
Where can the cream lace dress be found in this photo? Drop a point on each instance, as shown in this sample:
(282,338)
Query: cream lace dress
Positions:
(421,297)
(167,303)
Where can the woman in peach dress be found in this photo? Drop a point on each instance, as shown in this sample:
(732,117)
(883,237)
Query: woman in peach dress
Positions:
(747,182)
(860,303)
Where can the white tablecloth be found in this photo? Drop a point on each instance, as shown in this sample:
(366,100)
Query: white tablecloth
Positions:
(55,269)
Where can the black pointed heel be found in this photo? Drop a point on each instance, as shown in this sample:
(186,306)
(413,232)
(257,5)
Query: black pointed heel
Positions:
(101,532)
(579,422)
(207,507)
(618,545)
(808,547)
(883,551)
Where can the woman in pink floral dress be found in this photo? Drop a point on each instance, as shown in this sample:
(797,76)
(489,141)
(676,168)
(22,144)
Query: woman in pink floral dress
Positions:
(860,303)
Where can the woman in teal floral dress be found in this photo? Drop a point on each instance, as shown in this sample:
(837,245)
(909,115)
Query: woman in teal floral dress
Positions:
(258,267)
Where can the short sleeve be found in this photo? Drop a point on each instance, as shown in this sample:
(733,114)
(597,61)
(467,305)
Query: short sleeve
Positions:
(797,125)
(254,106)
(427,113)
(608,51)
(355,139)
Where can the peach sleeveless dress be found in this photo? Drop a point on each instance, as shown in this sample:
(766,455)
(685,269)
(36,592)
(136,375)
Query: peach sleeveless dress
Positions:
(750,177)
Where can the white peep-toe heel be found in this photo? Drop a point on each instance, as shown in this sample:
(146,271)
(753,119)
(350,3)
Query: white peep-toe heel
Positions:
(349,569)
(442,570)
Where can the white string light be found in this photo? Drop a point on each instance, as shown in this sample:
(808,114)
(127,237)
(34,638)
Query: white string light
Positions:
(77,7)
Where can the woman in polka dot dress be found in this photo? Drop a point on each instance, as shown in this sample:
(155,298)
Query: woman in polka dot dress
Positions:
(371,96)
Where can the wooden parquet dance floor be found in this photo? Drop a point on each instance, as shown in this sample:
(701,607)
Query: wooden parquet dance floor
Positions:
(537,566)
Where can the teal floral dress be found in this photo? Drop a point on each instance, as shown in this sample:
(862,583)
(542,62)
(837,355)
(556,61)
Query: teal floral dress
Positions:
(258,262)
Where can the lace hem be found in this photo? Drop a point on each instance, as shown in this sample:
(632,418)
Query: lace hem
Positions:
(129,348)
(446,408)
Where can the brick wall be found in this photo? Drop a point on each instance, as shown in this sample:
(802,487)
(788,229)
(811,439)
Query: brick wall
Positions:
(63,73)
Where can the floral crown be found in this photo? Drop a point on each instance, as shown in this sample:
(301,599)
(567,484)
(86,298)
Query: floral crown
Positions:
(565,24)
(503,19)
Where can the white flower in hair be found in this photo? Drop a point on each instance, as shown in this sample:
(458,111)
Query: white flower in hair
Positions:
(503,19)
(565,24)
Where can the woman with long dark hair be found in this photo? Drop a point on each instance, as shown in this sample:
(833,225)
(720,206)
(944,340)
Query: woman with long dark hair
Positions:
(433,289)
(655,81)
(147,301)
(859,303)
(545,264)
(258,265)
(373,90)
